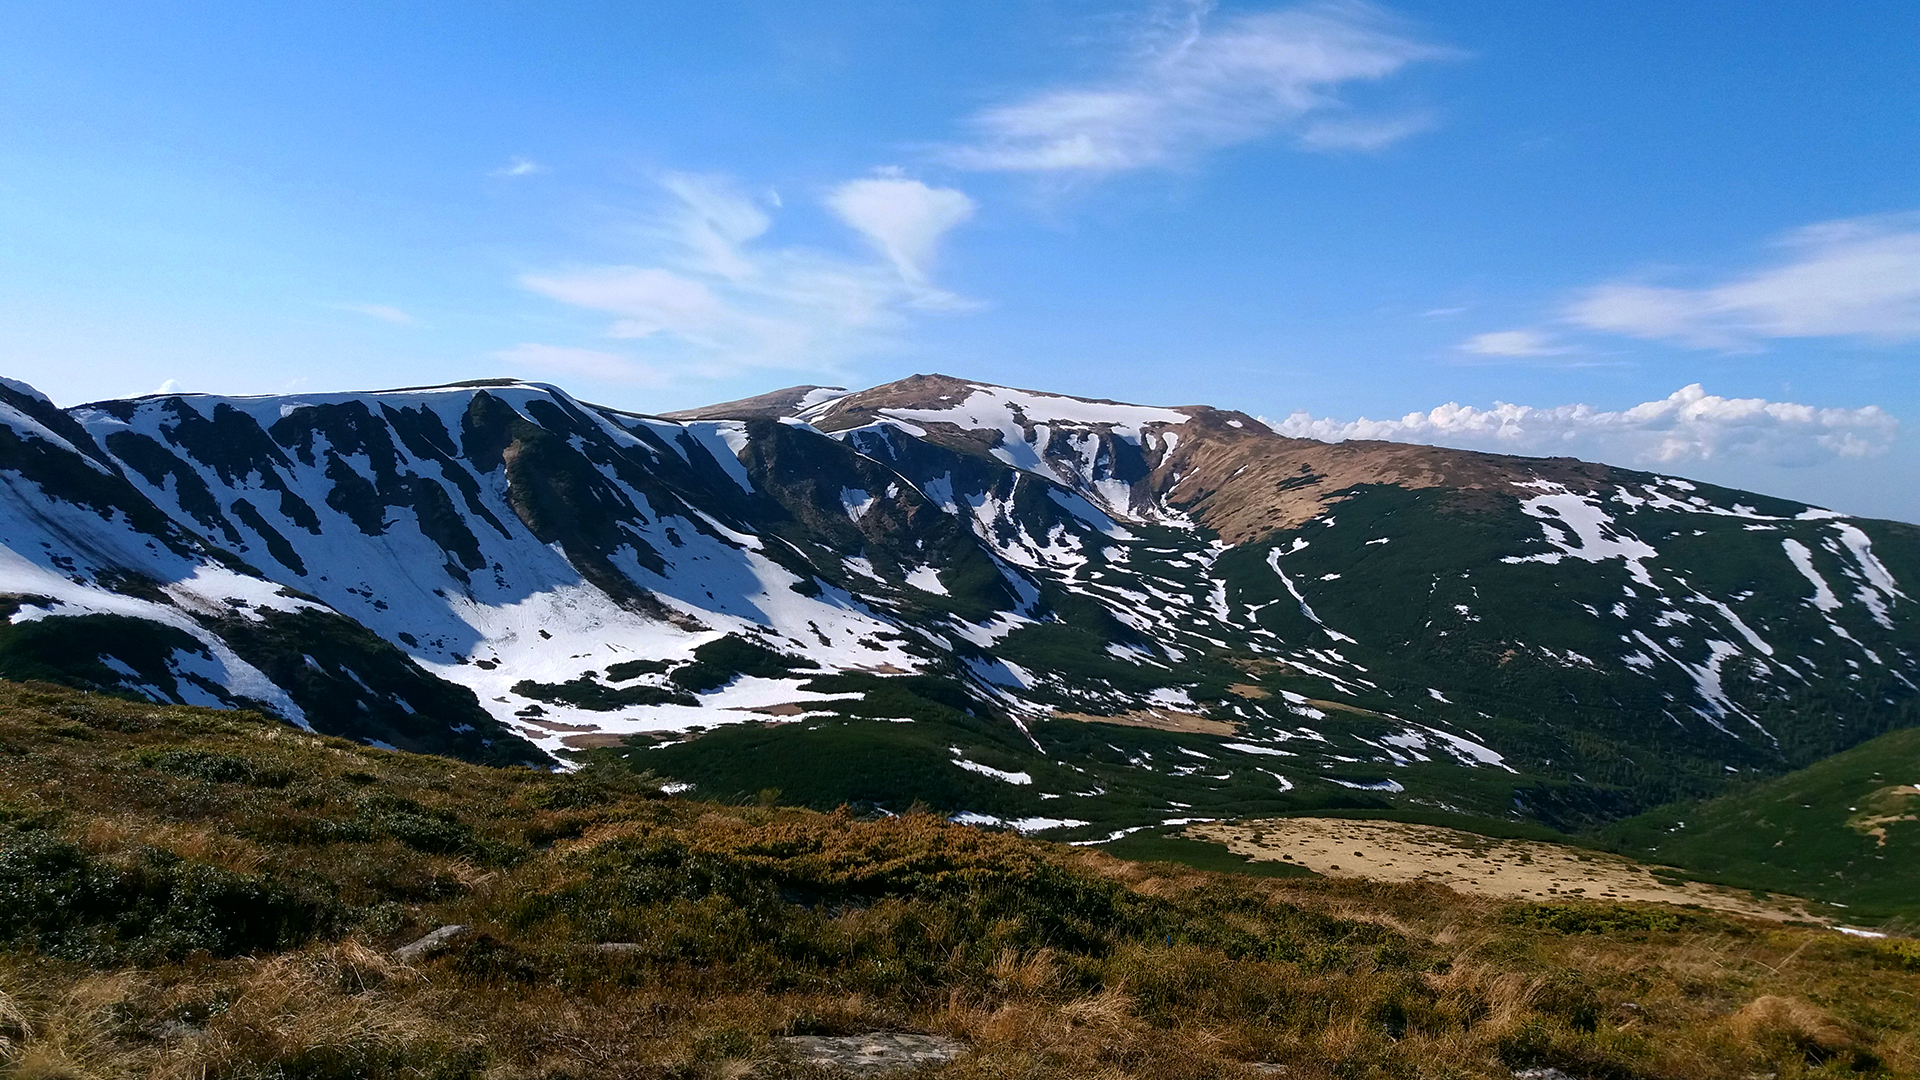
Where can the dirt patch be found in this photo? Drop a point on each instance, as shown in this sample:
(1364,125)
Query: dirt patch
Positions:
(1511,869)
(555,725)
(1901,802)
(1159,720)
(596,740)
(1248,690)
(785,708)
(1319,703)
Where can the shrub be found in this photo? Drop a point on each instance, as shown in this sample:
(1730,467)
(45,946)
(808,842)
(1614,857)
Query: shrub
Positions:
(215,768)
(721,660)
(1566,918)
(61,900)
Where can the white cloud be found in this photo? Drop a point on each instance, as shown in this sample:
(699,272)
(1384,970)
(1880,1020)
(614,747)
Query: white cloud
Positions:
(586,363)
(648,298)
(904,219)
(383,312)
(1857,278)
(1366,135)
(1210,84)
(519,166)
(1514,343)
(1687,425)
(711,299)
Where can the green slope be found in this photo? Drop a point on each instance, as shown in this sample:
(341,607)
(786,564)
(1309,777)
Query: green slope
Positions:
(1845,829)
(199,892)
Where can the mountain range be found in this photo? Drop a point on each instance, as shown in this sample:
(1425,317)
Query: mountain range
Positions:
(1073,617)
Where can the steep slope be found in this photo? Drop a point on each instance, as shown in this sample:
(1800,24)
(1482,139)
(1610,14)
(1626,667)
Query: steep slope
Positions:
(518,543)
(102,589)
(1094,615)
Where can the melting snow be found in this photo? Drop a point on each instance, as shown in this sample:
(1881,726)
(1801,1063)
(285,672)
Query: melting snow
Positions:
(1017,778)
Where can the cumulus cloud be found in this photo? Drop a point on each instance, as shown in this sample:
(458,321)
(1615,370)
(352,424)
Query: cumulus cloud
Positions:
(713,298)
(905,219)
(586,363)
(1687,425)
(1512,343)
(1857,278)
(1204,84)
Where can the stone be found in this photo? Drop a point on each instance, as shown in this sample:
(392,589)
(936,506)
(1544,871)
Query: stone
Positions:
(877,1053)
(428,945)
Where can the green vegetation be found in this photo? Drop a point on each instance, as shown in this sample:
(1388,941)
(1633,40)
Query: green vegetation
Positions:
(720,661)
(584,692)
(1843,830)
(633,669)
(1167,845)
(194,893)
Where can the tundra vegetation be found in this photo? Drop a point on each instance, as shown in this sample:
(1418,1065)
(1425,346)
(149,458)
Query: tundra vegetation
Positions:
(188,892)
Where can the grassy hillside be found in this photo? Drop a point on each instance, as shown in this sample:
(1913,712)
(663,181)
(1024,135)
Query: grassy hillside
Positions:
(1845,829)
(193,893)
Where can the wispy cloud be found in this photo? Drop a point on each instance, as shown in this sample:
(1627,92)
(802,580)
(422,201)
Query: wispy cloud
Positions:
(518,166)
(383,312)
(584,363)
(712,298)
(1857,278)
(1513,343)
(1202,84)
(905,219)
(1687,425)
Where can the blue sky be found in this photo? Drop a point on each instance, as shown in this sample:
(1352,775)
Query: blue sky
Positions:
(1680,236)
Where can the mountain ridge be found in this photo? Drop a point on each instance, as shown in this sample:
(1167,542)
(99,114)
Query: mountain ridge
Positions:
(1370,621)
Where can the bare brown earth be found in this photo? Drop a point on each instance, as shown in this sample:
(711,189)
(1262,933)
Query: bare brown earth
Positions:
(594,740)
(1480,865)
(1159,720)
(784,708)
(777,403)
(1900,802)
(1247,481)
(1235,474)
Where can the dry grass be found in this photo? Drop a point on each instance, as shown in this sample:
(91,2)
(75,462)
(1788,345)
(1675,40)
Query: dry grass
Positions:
(749,923)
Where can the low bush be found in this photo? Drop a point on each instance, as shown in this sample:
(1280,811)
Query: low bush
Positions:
(62,901)
(173,917)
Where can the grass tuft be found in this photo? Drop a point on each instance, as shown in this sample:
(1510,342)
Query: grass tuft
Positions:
(170,915)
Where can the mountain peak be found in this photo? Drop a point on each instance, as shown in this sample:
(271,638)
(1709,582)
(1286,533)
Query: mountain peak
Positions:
(771,405)
(462,567)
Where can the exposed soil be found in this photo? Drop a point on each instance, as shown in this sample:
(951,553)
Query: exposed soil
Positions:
(596,739)
(1159,720)
(1470,863)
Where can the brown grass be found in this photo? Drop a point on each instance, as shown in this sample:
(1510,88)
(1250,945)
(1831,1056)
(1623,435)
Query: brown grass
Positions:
(750,923)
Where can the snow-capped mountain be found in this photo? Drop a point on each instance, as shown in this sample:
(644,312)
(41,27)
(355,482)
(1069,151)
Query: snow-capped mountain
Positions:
(1088,614)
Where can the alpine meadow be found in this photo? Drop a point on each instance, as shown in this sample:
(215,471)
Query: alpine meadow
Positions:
(1016,540)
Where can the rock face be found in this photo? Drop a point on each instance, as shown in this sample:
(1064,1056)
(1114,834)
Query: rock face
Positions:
(1093,615)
